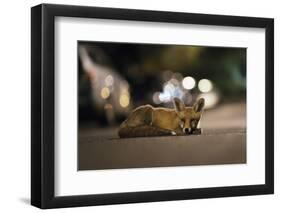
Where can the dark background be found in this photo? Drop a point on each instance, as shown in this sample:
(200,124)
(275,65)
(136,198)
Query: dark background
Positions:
(147,68)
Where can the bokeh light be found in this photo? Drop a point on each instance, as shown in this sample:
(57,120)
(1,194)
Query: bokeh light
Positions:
(164,97)
(109,80)
(174,81)
(167,75)
(124,100)
(188,83)
(177,76)
(211,99)
(205,85)
(156,98)
(105,93)
(169,88)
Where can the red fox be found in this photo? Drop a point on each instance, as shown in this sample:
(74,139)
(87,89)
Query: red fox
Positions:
(150,121)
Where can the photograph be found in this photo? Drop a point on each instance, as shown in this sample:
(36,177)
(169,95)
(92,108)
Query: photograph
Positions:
(143,105)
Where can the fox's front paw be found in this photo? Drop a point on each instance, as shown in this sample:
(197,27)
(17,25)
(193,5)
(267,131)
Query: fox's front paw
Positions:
(197,131)
(178,133)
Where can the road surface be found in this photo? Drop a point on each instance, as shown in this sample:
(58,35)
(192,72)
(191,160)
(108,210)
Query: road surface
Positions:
(223,141)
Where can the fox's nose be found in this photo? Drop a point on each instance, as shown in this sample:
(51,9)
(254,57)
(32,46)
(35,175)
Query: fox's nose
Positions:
(187,130)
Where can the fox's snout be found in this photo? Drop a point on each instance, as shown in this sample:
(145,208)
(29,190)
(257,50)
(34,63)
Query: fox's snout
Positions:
(187,130)
(190,125)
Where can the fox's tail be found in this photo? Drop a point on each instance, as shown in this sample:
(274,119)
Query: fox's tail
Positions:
(142,131)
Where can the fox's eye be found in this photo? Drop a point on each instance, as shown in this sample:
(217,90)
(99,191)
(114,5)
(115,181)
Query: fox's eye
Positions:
(182,122)
(193,123)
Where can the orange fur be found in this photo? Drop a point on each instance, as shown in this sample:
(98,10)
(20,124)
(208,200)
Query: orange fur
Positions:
(150,121)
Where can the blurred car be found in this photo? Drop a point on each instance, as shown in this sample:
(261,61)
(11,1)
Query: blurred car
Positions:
(104,96)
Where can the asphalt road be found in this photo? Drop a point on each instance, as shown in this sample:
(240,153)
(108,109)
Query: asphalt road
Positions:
(223,141)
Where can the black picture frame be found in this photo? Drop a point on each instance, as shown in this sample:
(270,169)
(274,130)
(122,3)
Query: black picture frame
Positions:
(43,117)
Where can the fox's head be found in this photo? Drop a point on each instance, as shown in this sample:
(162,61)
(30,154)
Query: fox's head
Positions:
(189,116)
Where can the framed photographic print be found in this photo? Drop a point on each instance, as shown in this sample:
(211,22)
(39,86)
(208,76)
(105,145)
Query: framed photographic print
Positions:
(139,106)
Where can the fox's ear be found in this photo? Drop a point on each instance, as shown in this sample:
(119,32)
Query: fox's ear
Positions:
(199,105)
(179,105)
